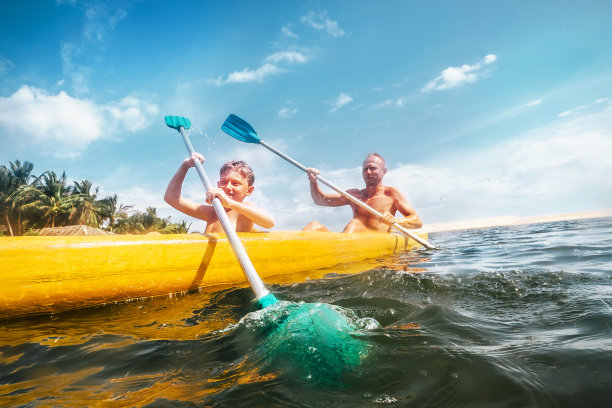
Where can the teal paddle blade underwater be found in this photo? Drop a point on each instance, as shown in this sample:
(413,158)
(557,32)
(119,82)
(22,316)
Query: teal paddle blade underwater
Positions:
(319,343)
(240,129)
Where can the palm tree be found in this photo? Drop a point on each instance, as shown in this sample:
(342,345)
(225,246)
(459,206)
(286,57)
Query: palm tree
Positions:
(182,227)
(151,222)
(21,175)
(177,228)
(143,222)
(50,196)
(86,210)
(112,212)
(7,201)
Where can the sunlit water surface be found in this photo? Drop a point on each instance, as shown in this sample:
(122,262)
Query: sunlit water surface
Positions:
(500,317)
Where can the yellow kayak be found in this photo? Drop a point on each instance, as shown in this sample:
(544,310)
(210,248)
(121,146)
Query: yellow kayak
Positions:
(55,274)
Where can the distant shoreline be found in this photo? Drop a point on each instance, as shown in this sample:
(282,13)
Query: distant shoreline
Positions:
(510,220)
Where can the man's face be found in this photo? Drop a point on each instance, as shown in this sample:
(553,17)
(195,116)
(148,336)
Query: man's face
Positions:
(235,185)
(373,170)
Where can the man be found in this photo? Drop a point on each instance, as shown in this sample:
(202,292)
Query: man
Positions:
(235,184)
(386,200)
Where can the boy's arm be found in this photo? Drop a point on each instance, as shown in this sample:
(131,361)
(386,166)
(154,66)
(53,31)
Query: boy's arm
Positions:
(173,192)
(319,197)
(249,210)
(411,218)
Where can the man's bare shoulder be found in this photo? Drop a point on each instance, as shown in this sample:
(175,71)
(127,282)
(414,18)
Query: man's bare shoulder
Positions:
(394,192)
(355,191)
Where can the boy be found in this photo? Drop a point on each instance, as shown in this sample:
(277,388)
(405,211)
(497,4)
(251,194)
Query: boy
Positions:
(235,184)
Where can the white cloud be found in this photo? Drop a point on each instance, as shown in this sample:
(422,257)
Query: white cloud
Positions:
(386,102)
(248,75)
(5,65)
(78,74)
(79,57)
(489,59)
(66,125)
(99,21)
(399,102)
(534,103)
(271,66)
(453,77)
(286,32)
(320,21)
(565,113)
(286,112)
(131,113)
(341,101)
(290,57)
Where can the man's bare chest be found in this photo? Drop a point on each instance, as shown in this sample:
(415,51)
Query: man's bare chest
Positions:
(380,202)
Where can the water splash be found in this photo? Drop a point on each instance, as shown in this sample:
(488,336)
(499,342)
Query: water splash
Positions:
(211,143)
(318,342)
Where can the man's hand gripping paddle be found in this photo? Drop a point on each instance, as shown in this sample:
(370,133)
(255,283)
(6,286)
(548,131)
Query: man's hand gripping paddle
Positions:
(263,295)
(240,129)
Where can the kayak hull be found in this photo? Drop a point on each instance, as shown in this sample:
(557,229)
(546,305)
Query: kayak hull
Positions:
(55,274)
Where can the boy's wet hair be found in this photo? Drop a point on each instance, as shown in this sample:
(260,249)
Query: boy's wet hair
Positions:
(241,167)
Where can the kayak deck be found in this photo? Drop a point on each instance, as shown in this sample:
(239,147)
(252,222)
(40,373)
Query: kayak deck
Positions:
(54,274)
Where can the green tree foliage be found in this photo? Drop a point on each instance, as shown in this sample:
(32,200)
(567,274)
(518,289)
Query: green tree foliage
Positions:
(28,203)
(112,211)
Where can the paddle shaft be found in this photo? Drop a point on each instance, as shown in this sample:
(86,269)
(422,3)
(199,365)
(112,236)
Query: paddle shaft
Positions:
(354,200)
(244,260)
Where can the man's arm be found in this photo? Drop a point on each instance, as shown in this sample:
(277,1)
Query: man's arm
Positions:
(411,218)
(173,192)
(321,198)
(249,210)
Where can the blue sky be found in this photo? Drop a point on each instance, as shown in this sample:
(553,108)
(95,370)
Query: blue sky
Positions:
(481,108)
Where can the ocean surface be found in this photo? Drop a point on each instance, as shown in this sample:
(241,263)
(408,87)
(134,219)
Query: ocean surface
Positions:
(515,316)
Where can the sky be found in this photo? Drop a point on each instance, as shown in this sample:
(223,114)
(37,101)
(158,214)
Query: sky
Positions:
(480,108)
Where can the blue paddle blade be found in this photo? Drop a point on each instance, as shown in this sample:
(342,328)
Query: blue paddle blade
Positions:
(240,129)
(177,121)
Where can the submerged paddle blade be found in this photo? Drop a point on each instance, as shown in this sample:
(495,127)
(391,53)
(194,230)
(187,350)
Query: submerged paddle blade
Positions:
(177,121)
(240,129)
(322,344)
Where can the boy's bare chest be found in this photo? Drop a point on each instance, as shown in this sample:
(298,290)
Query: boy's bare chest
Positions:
(238,222)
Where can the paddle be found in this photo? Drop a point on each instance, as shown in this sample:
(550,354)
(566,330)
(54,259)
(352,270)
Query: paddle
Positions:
(263,296)
(240,129)
(318,340)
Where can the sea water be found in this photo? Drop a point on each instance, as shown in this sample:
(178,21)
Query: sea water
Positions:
(515,316)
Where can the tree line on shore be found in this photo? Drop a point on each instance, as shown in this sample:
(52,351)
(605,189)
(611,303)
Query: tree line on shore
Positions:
(29,202)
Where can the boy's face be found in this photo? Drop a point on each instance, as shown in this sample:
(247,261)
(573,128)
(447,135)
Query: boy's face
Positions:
(235,185)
